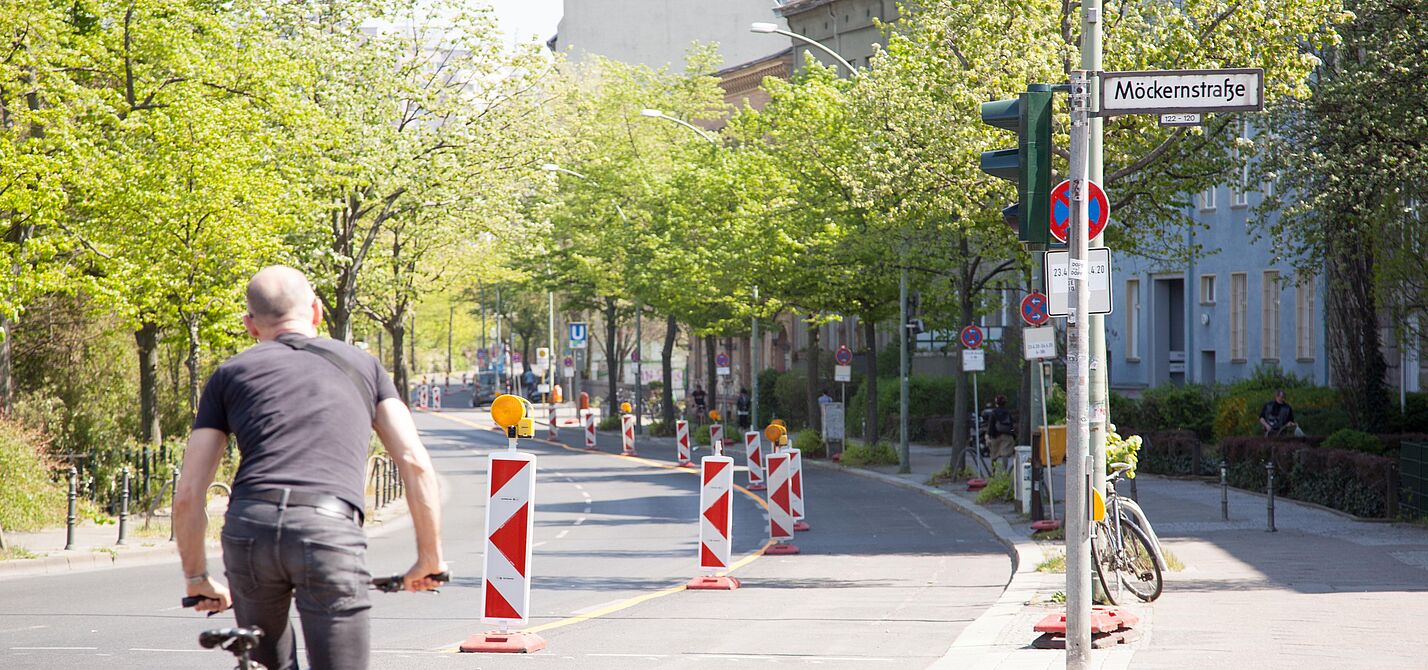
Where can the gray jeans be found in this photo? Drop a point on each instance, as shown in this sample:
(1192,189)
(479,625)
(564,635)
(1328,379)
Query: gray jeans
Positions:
(271,553)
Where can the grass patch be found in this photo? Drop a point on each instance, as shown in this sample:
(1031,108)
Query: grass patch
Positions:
(881,453)
(941,476)
(16,553)
(1050,535)
(29,498)
(1053,563)
(1059,597)
(1171,560)
(998,489)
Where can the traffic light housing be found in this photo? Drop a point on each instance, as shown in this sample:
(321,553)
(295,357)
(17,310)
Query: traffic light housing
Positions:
(1028,165)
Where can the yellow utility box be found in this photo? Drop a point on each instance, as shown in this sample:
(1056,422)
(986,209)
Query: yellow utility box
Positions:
(1055,438)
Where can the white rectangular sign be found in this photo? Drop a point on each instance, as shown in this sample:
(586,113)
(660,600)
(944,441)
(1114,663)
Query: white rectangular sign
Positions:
(974,360)
(1058,281)
(721,371)
(1038,343)
(1166,91)
(832,421)
(842,373)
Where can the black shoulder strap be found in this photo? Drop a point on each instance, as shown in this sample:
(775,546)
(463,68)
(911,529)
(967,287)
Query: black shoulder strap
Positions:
(342,364)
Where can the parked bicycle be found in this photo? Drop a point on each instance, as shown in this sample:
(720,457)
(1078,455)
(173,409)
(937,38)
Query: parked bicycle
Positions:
(241,641)
(1123,549)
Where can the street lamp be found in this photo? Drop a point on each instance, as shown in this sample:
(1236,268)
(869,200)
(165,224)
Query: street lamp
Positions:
(657,114)
(769,28)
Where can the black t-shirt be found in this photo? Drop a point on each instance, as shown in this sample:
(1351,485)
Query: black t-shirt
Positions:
(300,421)
(1277,413)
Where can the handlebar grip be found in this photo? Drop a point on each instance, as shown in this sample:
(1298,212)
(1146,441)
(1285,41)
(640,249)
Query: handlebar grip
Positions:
(190,601)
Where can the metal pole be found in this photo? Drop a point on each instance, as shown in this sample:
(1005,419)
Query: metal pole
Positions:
(1079,460)
(173,495)
(639,382)
(1224,491)
(1100,400)
(124,507)
(977,419)
(903,455)
(1269,495)
(755,354)
(450,317)
(70,519)
(481,288)
(550,354)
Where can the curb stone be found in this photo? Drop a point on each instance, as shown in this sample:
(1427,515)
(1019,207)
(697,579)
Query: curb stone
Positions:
(977,646)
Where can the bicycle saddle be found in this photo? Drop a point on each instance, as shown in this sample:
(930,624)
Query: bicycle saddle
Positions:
(248,637)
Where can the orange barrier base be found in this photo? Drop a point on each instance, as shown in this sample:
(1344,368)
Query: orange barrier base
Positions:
(503,643)
(781,549)
(629,453)
(801,526)
(976,484)
(687,464)
(1046,524)
(757,487)
(708,583)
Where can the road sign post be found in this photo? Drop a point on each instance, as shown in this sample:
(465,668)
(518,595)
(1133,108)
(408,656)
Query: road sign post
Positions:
(1078,359)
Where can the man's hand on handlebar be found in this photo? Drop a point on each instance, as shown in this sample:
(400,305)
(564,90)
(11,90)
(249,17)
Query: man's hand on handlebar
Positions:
(212,596)
(419,577)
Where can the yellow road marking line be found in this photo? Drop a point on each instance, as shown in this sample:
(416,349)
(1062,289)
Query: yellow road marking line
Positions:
(631,602)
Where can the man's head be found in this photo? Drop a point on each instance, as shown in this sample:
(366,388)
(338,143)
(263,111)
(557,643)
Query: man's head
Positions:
(1001,401)
(1279,395)
(280,300)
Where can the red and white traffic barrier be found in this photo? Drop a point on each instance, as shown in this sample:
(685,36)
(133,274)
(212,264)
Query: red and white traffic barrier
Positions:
(716,437)
(510,502)
(681,443)
(716,519)
(587,418)
(421,396)
(780,483)
(796,489)
(435,398)
(554,432)
(754,454)
(627,435)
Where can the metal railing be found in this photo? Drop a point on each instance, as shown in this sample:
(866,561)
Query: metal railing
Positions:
(1413,478)
(384,480)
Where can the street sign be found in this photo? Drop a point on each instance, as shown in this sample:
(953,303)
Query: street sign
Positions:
(1167,91)
(515,357)
(1182,119)
(1098,209)
(842,373)
(1038,343)
(721,364)
(1033,309)
(974,360)
(569,366)
(481,356)
(542,357)
(971,337)
(635,355)
(1097,272)
(832,421)
(579,335)
(843,356)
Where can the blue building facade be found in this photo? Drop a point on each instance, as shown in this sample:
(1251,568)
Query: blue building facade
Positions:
(1219,318)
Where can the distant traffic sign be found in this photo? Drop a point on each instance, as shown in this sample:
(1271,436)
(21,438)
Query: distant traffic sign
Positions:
(1097,271)
(1167,91)
(843,356)
(579,335)
(721,363)
(1098,209)
(974,360)
(971,337)
(1034,308)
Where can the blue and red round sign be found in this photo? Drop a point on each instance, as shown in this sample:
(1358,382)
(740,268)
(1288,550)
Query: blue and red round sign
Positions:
(1098,210)
(843,356)
(721,360)
(971,337)
(1035,309)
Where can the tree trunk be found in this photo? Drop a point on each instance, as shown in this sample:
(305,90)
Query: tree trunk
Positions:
(666,365)
(7,367)
(811,374)
(959,413)
(191,362)
(398,330)
(870,380)
(339,314)
(711,393)
(147,337)
(612,357)
(1357,360)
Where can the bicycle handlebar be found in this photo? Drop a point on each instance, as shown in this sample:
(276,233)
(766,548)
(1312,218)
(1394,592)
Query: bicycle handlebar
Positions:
(391,584)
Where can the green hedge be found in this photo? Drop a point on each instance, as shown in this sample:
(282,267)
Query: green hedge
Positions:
(1189,407)
(881,453)
(809,443)
(1318,411)
(29,498)
(1353,482)
(928,397)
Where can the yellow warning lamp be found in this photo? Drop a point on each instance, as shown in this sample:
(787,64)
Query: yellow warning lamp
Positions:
(776,434)
(1098,506)
(779,422)
(625,407)
(714,414)
(513,414)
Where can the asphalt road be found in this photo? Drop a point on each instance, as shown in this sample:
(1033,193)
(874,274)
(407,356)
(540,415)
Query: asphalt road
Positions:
(887,578)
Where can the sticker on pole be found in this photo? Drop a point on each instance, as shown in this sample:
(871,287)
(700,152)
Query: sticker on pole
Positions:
(1035,309)
(971,336)
(721,363)
(1098,210)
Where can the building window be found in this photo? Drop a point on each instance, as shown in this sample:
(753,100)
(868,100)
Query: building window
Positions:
(1239,196)
(1132,329)
(1207,289)
(1304,322)
(1207,199)
(1269,316)
(1239,311)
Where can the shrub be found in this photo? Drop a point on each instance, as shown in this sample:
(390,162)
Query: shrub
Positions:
(1349,439)
(1188,407)
(1318,410)
(998,488)
(1172,452)
(1269,378)
(790,399)
(927,397)
(29,499)
(1354,482)
(1122,450)
(609,423)
(881,453)
(809,443)
(660,429)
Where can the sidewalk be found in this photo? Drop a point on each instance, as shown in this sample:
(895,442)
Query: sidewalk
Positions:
(1324,591)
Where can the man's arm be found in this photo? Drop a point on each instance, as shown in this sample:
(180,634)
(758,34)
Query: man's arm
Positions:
(200,465)
(398,433)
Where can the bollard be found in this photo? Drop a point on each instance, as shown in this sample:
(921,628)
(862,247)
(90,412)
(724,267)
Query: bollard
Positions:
(124,507)
(399,487)
(173,498)
(1224,490)
(69,520)
(1269,468)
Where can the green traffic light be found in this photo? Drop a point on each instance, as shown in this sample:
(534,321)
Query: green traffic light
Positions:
(1029,165)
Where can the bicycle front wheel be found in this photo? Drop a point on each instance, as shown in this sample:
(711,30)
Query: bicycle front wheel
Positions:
(1136,565)
(1103,561)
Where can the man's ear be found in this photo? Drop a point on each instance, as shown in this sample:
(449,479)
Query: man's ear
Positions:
(250,326)
(317,313)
